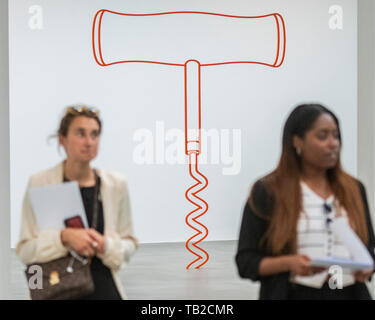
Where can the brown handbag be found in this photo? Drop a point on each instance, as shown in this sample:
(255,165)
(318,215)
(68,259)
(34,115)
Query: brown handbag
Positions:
(66,278)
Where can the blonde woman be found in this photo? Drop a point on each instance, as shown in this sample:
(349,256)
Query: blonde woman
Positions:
(112,243)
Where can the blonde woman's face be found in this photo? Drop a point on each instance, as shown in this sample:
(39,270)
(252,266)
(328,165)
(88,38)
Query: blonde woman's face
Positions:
(82,140)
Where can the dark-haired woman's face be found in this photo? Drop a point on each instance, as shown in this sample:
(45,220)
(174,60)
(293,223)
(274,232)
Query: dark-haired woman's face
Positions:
(82,140)
(321,145)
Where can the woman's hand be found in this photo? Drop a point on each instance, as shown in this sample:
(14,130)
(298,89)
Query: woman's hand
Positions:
(363,275)
(300,265)
(99,240)
(79,240)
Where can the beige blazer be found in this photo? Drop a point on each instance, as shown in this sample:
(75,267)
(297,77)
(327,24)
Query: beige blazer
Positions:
(37,246)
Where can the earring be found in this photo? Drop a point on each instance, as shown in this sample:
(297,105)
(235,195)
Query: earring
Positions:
(298,150)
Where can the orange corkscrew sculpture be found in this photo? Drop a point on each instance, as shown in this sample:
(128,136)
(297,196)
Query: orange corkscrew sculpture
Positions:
(192,74)
(192,150)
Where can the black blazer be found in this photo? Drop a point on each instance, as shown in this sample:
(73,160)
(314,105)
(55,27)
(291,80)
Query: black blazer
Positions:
(249,253)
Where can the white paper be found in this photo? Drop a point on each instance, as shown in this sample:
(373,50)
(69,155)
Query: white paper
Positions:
(360,257)
(349,238)
(52,204)
(342,262)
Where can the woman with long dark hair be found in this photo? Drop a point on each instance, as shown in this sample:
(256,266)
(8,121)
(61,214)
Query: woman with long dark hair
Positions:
(286,220)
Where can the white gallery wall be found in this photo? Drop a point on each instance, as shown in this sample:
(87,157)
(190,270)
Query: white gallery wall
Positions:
(52,66)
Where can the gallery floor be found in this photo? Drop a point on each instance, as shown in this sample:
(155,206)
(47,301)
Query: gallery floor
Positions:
(157,271)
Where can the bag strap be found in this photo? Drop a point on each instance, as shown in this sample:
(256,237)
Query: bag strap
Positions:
(94,222)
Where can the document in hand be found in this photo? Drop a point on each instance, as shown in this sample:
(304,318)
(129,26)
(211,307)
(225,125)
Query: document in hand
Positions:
(360,257)
(342,262)
(52,204)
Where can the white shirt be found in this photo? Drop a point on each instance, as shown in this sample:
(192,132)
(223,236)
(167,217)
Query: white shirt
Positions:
(314,238)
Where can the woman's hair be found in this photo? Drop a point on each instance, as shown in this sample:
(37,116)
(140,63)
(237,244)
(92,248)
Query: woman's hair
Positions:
(77,111)
(283,186)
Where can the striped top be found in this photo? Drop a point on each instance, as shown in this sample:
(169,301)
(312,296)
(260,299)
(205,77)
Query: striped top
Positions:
(315,239)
